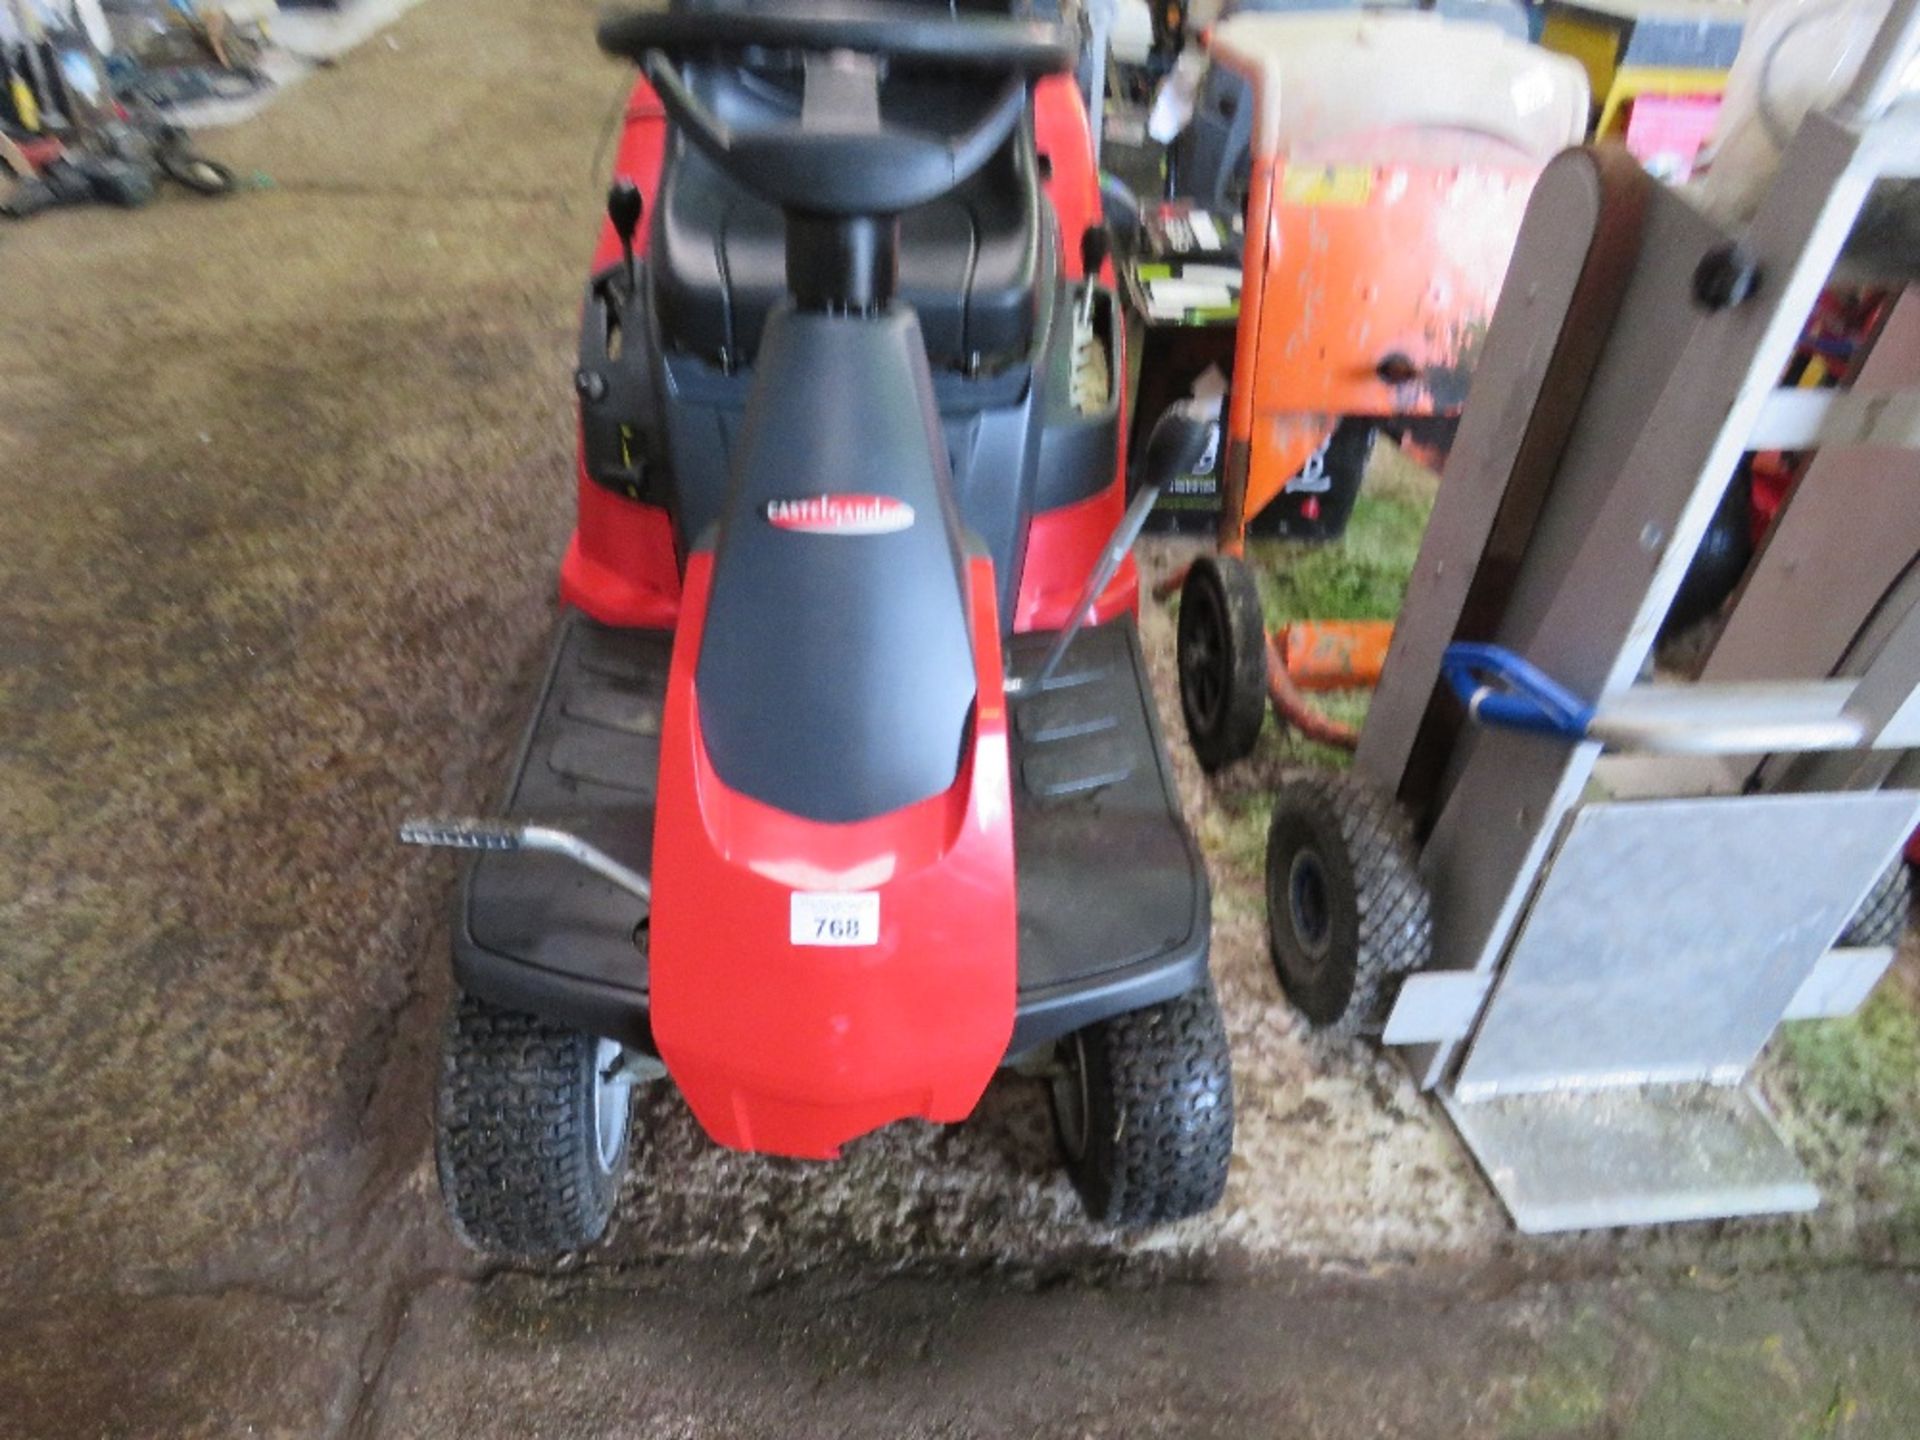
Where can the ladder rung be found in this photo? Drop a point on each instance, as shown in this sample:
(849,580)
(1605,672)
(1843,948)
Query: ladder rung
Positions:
(1749,718)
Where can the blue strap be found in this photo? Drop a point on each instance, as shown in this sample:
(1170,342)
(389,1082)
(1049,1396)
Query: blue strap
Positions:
(1499,688)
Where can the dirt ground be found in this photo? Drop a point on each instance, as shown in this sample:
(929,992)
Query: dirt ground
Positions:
(283,486)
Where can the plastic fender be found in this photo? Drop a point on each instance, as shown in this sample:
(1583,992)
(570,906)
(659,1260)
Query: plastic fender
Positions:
(620,566)
(781,1043)
(1063,546)
(1061,133)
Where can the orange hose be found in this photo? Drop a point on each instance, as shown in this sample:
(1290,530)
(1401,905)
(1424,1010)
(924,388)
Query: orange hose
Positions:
(1293,708)
(1171,586)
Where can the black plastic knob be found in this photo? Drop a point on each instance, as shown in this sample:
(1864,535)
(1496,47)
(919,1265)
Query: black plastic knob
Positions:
(1096,244)
(1728,275)
(624,208)
(1397,368)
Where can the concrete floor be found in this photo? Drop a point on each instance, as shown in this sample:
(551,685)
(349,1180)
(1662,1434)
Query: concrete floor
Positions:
(284,483)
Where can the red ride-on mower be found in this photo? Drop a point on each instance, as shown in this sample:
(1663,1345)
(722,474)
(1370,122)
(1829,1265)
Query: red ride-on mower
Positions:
(845,788)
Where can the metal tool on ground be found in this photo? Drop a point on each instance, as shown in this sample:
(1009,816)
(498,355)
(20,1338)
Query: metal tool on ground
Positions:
(109,148)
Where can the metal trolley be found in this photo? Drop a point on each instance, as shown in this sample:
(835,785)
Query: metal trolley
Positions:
(1582,899)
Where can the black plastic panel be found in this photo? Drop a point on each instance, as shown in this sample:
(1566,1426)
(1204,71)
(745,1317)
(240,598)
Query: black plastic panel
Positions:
(538,932)
(836,676)
(620,439)
(1115,911)
(1015,442)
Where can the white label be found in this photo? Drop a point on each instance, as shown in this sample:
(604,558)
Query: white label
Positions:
(834,917)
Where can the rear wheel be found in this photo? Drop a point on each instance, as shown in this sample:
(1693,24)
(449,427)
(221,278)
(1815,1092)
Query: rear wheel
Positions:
(1347,912)
(1143,1105)
(532,1132)
(1222,655)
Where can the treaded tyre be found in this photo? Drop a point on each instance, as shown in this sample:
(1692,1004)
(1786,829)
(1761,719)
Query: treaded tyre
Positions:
(1882,916)
(1347,913)
(1143,1104)
(1222,653)
(532,1133)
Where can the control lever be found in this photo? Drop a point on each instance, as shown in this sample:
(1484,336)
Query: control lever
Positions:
(624,208)
(1096,244)
(1179,440)
(463,834)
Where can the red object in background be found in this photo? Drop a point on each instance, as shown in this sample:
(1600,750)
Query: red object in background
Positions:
(41,151)
(1836,341)
(1063,139)
(795,1049)
(1666,133)
(1769,477)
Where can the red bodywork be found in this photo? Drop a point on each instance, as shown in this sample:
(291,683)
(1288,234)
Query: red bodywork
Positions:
(1064,544)
(795,1049)
(621,567)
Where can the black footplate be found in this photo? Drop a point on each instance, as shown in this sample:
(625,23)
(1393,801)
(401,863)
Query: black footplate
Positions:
(1114,911)
(538,932)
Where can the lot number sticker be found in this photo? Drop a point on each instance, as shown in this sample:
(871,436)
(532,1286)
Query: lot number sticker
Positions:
(834,917)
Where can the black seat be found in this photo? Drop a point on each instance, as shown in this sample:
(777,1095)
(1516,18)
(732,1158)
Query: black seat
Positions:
(969,262)
(836,674)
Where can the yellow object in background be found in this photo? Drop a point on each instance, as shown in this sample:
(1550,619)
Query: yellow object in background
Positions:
(1326,185)
(1631,48)
(24,104)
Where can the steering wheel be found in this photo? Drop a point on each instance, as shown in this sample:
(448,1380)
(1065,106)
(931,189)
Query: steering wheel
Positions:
(840,159)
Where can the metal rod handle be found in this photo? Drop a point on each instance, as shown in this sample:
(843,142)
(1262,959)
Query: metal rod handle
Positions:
(1118,544)
(468,834)
(1753,737)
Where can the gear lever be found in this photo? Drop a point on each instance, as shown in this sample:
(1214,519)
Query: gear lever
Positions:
(624,207)
(1096,244)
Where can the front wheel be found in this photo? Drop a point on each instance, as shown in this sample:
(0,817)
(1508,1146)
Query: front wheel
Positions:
(532,1130)
(1143,1105)
(1347,913)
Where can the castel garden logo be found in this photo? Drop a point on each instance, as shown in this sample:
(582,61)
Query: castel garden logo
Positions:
(840,514)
